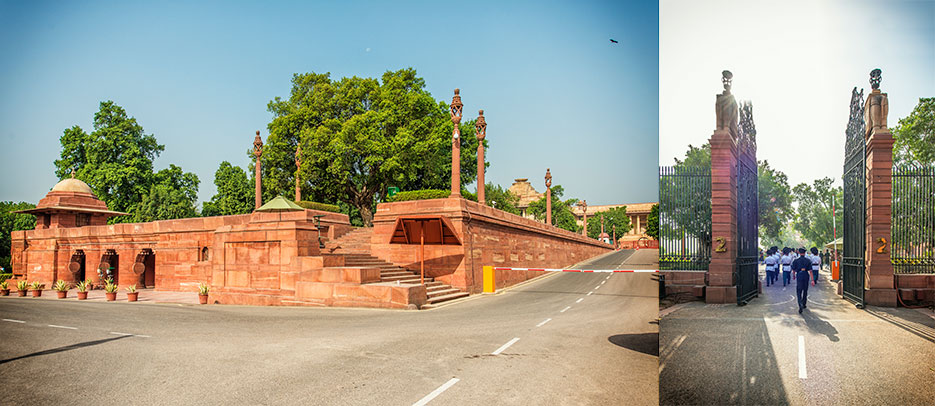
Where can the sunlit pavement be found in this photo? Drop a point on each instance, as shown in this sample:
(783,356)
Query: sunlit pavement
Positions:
(767,353)
(564,339)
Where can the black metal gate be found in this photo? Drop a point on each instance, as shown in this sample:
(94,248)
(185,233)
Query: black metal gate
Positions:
(855,199)
(748,221)
(684,218)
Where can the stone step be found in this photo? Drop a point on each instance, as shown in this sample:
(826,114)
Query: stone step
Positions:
(441,292)
(399,278)
(438,299)
(384,275)
(436,288)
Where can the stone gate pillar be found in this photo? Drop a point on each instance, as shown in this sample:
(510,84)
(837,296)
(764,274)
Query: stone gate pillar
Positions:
(879,283)
(721,286)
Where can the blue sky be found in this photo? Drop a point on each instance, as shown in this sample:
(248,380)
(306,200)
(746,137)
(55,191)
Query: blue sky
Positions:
(198,75)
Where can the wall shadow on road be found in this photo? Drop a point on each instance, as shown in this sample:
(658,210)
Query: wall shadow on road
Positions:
(65,348)
(913,322)
(717,363)
(646,343)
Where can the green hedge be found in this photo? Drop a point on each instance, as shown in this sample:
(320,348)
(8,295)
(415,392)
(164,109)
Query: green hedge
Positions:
(319,206)
(426,194)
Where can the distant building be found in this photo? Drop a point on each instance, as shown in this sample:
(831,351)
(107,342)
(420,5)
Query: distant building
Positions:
(527,194)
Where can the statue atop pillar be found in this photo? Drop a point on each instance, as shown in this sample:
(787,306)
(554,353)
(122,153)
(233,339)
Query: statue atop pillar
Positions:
(726,107)
(877,106)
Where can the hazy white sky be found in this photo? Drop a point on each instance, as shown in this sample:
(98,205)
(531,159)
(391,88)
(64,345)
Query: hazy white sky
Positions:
(797,62)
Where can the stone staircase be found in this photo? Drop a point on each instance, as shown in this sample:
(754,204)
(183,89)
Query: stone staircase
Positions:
(355,248)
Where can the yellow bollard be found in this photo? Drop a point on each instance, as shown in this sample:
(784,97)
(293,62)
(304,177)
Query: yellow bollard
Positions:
(489,282)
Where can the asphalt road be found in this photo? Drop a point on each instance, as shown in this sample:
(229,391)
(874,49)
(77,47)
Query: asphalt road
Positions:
(766,353)
(574,339)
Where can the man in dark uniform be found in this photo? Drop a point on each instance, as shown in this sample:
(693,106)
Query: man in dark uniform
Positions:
(801,266)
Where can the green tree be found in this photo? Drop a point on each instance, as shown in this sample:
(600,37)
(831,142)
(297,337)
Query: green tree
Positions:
(116,161)
(500,198)
(562,215)
(775,200)
(813,215)
(361,135)
(652,222)
(616,216)
(10,222)
(915,134)
(235,193)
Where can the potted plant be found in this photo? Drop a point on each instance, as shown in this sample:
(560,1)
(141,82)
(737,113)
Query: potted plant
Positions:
(132,294)
(4,289)
(21,287)
(61,289)
(203,293)
(36,289)
(110,290)
(82,289)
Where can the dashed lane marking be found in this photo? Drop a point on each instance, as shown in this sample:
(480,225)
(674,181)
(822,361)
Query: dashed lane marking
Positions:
(803,373)
(505,346)
(428,398)
(543,322)
(14,321)
(579,300)
(590,293)
(128,334)
(566,308)
(67,327)
(598,287)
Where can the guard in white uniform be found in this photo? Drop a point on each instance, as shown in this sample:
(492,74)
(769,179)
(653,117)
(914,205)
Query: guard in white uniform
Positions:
(816,265)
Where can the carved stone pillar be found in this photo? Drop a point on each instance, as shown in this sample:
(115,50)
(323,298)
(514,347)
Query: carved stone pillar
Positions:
(456,114)
(298,172)
(257,151)
(548,197)
(481,127)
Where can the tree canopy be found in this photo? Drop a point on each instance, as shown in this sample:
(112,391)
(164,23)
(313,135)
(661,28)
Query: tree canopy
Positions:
(10,222)
(775,201)
(500,198)
(360,135)
(562,215)
(813,215)
(235,193)
(652,222)
(616,216)
(116,161)
(915,134)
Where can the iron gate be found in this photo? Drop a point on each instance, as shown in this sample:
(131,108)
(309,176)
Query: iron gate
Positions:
(684,218)
(747,209)
(855,199)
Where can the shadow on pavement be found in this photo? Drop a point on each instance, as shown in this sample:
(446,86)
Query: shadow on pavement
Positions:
(906,319)
(820,326)
(729,362)
(65,348)
(646,343)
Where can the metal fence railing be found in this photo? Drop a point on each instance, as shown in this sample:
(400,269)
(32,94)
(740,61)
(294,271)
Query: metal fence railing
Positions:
(684,218)
(913,227)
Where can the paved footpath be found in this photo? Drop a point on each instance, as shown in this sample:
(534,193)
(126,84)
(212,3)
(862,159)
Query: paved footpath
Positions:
(566,339)
(766,353)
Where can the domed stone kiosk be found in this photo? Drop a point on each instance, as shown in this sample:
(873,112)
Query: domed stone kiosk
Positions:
(71,203)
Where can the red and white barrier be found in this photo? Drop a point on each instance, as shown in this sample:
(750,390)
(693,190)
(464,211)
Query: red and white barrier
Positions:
(575,270)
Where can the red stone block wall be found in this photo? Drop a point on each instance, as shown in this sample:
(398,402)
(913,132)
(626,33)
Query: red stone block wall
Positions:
(488,237)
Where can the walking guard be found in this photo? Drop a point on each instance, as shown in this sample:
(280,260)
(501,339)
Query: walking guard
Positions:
(816,265)
(771,263)
(786,262)
(801,266)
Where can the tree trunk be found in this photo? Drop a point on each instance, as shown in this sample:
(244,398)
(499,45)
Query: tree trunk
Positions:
(366,214)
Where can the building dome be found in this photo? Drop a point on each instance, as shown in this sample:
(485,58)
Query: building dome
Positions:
(72,185)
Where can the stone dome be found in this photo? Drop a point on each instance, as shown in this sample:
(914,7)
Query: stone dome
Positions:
(72,185)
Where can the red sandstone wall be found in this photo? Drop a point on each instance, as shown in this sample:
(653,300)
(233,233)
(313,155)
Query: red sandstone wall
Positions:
(488,236)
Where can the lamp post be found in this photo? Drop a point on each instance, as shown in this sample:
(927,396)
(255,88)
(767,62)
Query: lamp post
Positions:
(548,197)
(298,171)
(615,236)
(456,107)
(584,209)
(481,126)
(257,151)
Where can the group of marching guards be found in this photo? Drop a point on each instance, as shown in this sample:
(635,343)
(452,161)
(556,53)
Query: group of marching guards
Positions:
(800,265)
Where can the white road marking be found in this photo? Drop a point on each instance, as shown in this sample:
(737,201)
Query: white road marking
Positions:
(543,322)
(603,281)
(590,293)
(579,300)
(128,334)
(14,321)
(566,308)
(428,398)
(70,328)
(505,346)
(598,287)
(802,372)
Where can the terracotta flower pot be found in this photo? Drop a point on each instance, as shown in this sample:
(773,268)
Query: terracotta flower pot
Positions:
(111,296)
(22,293)
(36,292)
(4,292)
(203,299)
(132,296)
(82,295)
(62,294)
